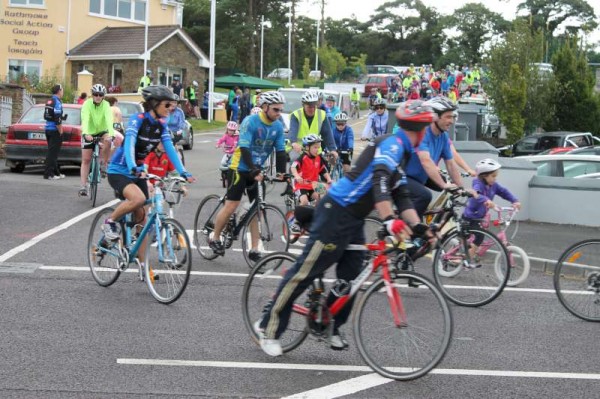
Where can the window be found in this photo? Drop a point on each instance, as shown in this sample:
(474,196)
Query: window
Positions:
(32,3)
(122,9)
(165,75)
(578,168)
(117,75)
(526,145)
(18,68)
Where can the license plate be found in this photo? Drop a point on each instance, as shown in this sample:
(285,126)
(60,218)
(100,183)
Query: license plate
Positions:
(37,136)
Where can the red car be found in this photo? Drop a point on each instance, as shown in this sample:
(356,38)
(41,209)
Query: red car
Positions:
(26,140)
(378,81)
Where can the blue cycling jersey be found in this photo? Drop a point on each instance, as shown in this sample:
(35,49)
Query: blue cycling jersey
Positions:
(438,147)
(376,125)
(260,136)
(344,140)
(58,110)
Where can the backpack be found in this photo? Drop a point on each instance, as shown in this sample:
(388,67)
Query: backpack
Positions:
(49,111)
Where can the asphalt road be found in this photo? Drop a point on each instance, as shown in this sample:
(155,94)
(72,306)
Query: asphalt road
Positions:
(63,336)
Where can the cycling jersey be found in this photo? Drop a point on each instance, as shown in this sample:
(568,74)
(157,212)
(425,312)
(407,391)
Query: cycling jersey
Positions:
(376,125)
(158,165)
(344,140)
(438,147)
(309,168)
(96,118)
(376,176)
(259,136)
(141,138)
(176,120)
(56,112)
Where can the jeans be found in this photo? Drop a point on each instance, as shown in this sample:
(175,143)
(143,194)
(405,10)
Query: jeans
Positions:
(54,140)
(332,229)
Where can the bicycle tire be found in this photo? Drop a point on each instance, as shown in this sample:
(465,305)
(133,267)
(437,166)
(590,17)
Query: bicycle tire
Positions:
(104,263)
(428,318)
(471,285)
(259,287)
(519,266)
(274,233)
(180,151)
(577,279)
(168,277)
(94,177)
(204,224)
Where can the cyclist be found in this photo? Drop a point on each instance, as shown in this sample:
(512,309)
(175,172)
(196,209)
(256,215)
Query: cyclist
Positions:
(176,122)
(344,139)
(96,120)
(376,182)
(377,122)
(127,170)
(422,171)
(259,134)
(228,141)
(310,120)
(355,101)
(331,109)
(307,169)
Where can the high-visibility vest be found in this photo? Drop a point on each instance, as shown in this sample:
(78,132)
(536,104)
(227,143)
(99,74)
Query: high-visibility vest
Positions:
(145,81)
(304,129)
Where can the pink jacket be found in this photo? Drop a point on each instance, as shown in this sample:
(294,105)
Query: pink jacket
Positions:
(228,143)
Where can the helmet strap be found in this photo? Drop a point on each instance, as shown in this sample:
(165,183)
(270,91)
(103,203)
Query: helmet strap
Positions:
(438,127)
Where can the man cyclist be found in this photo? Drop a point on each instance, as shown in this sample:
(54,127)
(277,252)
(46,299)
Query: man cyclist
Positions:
(422,170)
(96,120)
(344,139)
(375,182)
(259,134)
(127,170)
(377,122)
(355,101)
(331,109)
(310,120)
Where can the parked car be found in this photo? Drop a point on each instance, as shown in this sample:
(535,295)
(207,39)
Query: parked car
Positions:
(565,165)
(293,101)
(280,73)
(378,81)
(26,140)
(316,75)
(382,69)
(537,143)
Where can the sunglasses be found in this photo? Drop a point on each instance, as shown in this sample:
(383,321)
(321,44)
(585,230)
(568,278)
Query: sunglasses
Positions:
(98,94)
(277,109)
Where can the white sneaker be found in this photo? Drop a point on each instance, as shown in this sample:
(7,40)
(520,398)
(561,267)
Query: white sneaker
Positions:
(61,176)
(337,342)
(271,347)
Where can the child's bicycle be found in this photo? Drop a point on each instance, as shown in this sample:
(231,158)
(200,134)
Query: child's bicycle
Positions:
(519,260)
(401,332)
(168,255)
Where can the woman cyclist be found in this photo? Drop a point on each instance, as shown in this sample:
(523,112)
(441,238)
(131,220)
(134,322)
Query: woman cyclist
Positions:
(377,124)
(126,171)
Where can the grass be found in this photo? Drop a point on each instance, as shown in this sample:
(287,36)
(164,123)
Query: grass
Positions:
(202,125)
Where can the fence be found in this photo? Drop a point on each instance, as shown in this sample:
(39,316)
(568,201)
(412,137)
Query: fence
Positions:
(5,112)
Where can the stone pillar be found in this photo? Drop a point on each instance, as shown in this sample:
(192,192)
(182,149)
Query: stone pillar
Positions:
(85,79)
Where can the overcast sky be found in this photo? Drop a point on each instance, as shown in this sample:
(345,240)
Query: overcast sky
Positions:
(362,10)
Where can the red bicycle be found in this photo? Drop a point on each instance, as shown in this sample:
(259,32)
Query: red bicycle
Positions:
(402,323)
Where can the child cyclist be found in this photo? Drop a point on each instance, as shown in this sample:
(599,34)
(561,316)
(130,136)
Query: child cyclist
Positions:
(308,168)
(485,188)
(344,139)
(158,163)
(228,141)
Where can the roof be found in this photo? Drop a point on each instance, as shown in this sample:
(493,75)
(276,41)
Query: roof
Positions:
(127,42)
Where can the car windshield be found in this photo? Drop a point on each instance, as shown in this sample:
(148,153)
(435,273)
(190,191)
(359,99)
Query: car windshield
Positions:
(293,100)
(128,109)
(36,115)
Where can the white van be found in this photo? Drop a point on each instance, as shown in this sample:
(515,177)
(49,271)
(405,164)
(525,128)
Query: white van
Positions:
(280,73)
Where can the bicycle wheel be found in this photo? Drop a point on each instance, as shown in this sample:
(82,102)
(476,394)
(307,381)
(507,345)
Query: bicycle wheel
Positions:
(409,350)
(272,229)
(93,178)
(372,227)
(103,256)
(471,280)
(168,261)
(577,279)
(204,224)
(519,266)
(259,288)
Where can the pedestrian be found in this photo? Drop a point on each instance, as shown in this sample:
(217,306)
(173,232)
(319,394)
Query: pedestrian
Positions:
(230,98)
(192,96)
(177,87)
(145,80)
(53,114)
(82,97)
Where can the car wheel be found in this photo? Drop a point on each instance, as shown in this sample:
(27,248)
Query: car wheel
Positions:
(190,142)
(18,168)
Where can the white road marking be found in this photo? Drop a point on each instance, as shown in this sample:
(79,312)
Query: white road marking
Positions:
(46,234)
(342,388)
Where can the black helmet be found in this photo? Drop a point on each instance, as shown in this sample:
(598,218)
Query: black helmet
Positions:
(158,93)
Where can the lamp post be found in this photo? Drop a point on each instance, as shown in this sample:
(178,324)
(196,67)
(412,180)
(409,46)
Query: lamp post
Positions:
(317,56)
(290,46)
(211,68)
(262,43)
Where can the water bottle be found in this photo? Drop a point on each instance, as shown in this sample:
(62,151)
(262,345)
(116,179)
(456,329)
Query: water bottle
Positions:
(243,209)
(340,288)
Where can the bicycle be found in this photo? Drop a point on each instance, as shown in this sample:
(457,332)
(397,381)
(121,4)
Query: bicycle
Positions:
(466,279)
(577,279)
(337,169)
(95,176)
(272,226)
(167,248)
(419,317)
(519,270)
(355,109)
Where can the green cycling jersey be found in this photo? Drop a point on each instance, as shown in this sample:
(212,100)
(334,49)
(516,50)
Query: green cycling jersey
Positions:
(96,118)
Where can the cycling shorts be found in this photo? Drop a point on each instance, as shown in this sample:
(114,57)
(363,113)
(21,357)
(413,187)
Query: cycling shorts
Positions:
(346,158)
(240,182)
(119,182)
(89,145)
(299,193)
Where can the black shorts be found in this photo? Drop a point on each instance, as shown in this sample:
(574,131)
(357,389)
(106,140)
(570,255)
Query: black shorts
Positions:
(240,182)
(306,192)
(346,157)
(194,103)
(119,182)
(88,145)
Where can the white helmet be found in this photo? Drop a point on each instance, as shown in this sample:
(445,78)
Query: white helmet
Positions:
(271,97)
(441,105)
(487,165)
(310,96)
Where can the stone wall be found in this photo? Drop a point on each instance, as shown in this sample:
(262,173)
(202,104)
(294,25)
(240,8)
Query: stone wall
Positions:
(175,53)
(103,70)
(17,93)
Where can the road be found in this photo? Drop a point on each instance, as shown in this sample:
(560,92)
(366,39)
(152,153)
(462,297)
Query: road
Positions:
(63,336)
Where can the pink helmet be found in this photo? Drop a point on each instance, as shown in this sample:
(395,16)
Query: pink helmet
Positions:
(231,125)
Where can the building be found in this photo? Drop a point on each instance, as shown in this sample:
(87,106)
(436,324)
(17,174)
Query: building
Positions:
(109,38)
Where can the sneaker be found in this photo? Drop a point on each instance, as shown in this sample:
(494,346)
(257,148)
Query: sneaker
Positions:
(83,192)
(295,229)
(111,230)
(61,176)
(51,177)
(271,347)
(337,341)
(216,245)
(254,255)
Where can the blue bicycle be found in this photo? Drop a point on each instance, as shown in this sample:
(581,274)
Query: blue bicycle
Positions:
(168,255)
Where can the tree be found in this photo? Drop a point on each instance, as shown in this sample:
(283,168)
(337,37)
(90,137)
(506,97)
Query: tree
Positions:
(549,15)
(513,100)
(332,61)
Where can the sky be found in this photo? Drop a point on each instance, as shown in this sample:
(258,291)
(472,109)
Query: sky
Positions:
(362,10)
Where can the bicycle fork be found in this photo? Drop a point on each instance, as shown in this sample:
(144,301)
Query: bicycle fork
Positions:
(395,301)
